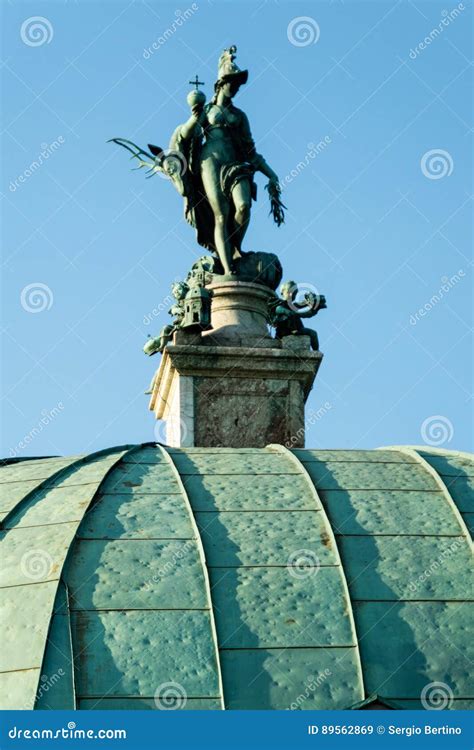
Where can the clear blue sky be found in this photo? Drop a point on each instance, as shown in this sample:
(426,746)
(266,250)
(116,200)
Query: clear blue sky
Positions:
(365,224)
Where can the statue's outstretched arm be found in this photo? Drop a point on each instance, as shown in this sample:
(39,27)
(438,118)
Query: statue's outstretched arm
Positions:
(273,187)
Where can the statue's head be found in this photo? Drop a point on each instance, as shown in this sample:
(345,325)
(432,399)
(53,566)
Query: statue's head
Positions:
(229,76)
(179,289)
(289,290)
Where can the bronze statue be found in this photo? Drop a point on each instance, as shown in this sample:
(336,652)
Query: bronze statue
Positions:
(179,290)
(212,161)
(287,312)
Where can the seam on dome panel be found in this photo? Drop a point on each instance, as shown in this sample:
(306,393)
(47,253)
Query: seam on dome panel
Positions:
(426,449)
(202,557)
(447,495)
(345,588)
(81,463)
(75,463)
(23,459)
(71,645)
(55,476)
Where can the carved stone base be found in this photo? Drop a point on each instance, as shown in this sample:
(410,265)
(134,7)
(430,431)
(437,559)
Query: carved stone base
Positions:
(239,315)
(237,397)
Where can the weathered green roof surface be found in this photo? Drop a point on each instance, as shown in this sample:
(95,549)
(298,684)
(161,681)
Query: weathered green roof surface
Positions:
(250,579)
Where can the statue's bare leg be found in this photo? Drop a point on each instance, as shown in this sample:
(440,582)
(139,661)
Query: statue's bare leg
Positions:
(242,197)
(220,208)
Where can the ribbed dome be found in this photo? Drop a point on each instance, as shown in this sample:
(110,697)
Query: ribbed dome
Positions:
(238,579)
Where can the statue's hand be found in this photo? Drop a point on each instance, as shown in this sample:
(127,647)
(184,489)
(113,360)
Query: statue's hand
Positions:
(321,300)
(311,300)
(197,110)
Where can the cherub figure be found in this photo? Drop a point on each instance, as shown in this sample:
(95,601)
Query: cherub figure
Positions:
(179,291)
(287,312)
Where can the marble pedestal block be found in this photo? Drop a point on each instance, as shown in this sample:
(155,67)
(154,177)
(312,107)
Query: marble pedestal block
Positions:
(234,396)
(235,386)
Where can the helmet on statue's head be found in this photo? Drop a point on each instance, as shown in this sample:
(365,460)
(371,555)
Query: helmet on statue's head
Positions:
(228,71)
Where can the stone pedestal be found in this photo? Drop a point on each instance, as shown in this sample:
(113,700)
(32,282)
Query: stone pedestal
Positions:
(235,386)
(234,396)
(239,315)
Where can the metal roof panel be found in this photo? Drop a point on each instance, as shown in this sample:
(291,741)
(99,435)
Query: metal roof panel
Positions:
(136,574)
(273,607)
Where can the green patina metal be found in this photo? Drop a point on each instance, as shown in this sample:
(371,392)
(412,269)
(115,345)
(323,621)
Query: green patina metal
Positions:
(181,569)
(141,613)
(34,552)
(34,474)
(456,471)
